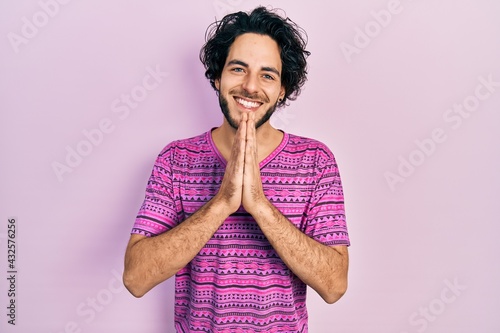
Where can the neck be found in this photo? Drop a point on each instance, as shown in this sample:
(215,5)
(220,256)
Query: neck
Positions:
(268,138)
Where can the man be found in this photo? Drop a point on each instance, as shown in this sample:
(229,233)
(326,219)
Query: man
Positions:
(244,215)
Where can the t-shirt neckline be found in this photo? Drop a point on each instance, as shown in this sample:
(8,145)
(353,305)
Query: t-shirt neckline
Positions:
(263,163)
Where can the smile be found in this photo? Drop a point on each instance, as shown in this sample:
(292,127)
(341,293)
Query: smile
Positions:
(247,104)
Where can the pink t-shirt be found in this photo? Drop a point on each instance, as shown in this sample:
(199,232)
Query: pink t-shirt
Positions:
(237,282)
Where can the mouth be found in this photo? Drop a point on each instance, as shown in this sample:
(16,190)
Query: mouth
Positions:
(248,104)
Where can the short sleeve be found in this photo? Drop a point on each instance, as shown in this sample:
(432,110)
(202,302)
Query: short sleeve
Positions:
(158,211)
(326,222)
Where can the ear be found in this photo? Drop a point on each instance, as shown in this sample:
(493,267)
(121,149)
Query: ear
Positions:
(217,84)
(282,93)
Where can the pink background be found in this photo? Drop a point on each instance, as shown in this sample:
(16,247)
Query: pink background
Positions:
(413,239)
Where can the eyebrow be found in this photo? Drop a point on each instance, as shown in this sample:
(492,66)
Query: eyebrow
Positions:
(244,64)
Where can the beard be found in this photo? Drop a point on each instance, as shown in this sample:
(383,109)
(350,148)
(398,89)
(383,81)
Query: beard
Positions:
(232,122)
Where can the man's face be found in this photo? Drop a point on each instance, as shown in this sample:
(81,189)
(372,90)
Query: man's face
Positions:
(251,79)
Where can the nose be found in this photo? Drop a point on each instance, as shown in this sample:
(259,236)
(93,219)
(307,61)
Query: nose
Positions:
(250,83)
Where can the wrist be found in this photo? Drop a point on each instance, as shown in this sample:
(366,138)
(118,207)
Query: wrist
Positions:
(220,206)
(258,206)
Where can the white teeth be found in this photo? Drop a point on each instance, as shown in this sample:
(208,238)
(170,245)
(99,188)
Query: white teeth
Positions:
(247,104)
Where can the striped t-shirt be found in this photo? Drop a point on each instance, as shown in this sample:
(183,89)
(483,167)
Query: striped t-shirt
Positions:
(237,282)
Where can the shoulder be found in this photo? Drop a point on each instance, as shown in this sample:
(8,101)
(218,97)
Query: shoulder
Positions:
(192,144)
(303,145)
(185,148)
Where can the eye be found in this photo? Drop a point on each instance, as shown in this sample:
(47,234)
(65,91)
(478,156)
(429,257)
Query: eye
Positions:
(237,69)
(268,77)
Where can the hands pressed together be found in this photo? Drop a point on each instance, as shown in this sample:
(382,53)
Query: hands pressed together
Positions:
(322,267)
(242,184)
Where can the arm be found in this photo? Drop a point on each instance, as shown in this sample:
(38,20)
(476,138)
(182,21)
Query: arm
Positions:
(322,267)
(150,261)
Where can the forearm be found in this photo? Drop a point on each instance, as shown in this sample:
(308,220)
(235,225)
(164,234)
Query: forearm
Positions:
(321,267)
(152,260)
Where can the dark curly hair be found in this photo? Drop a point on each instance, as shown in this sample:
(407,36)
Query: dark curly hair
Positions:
(290,38)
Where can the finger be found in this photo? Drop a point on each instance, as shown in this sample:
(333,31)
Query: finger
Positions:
(236,159)
(251,124)
(252,186)
(251,116)
(251,147)
(242,138)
